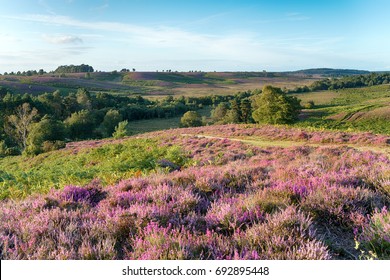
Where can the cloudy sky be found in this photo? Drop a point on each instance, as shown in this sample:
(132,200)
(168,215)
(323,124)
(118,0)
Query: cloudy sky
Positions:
(206,35)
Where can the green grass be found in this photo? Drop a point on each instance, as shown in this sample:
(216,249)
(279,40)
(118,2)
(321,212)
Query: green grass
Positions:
(21,176)
(319,97)
(358,109)
(143,126)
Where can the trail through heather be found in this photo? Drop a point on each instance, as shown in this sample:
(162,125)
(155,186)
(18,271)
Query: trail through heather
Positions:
(259,142)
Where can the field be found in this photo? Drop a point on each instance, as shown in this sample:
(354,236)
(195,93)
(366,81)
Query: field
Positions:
(217,192)
(155,84)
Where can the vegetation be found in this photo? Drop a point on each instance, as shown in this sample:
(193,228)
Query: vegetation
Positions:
(74,69)
(309,186)
(81,115)
(191,118)
(109,163)
(358,109)
(223,200)
(355,81)
(275,107)
(121,130)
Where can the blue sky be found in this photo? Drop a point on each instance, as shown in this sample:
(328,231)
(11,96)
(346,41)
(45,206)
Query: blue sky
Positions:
(183,35)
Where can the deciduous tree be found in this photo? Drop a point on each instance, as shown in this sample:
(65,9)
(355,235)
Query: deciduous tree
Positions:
(273,106)
(20,123)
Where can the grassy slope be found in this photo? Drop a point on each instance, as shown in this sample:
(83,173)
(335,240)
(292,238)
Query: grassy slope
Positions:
(21,177)
(361,109)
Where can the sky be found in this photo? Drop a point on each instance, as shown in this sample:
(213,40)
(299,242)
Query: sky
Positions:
(205,35)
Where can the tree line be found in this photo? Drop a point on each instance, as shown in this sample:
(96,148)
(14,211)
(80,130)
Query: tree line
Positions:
(372,79)
(35,124)
(271,105)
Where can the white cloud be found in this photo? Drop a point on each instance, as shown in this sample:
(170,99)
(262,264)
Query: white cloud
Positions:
(62,39)
(152,47)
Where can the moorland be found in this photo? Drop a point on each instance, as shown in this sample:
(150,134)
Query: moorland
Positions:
(98,165)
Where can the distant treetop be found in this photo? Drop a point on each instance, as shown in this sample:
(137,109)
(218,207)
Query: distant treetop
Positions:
(83,68)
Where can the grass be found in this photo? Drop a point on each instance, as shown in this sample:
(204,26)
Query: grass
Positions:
(21,177)
(143,126)
(359,109)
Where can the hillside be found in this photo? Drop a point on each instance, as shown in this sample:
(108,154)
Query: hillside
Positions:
(362,109)
(152,83)
(217,192)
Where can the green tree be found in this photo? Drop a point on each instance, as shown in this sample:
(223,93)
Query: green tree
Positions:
(219,112)
(110,121)
(19,124)
(80,124)
(191,118)
(246,111)
(121,130)
(273,106)
(84,98)
(234,114)
(46,135)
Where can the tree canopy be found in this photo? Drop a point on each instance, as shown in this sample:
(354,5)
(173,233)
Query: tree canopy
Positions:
(83,68)
(191,118)
(273,106)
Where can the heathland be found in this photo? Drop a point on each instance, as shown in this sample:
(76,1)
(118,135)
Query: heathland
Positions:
(315,187)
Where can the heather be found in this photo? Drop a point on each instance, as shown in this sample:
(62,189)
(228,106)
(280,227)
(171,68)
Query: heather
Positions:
(284,133)
(223,200)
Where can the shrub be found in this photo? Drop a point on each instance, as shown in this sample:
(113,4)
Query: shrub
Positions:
(191,118)
(120,130)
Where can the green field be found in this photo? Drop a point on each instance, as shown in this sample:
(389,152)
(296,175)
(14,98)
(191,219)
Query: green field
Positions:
(142,126)
(357,109)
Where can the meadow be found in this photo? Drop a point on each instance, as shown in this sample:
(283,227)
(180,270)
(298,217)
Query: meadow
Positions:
(205,193)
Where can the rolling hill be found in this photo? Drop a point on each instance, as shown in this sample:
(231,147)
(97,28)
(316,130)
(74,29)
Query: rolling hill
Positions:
(153,83)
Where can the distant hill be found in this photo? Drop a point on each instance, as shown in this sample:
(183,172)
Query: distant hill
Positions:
(329,72)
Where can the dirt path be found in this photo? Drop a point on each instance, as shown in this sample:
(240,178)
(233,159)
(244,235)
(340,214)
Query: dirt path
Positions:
(288,143)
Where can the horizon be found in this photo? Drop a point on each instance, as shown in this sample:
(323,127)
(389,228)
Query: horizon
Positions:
(191,71)
(222,36)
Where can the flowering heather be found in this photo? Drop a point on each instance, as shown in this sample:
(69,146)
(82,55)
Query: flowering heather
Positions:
(229,201)
(283,133)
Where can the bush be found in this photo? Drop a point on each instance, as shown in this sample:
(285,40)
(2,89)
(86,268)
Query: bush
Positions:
(48,146)
(309,105)
(121,130)
(190,119)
